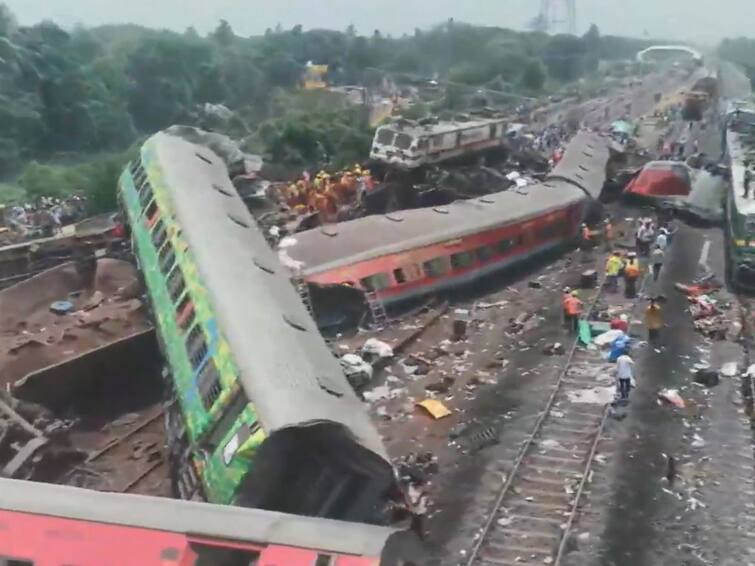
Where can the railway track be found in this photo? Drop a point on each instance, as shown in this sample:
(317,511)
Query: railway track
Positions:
(538,504)
(133,461)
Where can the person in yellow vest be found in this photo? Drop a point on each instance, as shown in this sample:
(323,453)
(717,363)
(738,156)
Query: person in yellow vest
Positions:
(614,265)
(632,274)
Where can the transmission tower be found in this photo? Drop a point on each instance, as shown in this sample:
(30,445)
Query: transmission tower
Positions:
(556,16)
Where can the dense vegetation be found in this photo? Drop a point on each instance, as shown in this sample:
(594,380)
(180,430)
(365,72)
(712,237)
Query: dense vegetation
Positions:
(73,101)
(742,52)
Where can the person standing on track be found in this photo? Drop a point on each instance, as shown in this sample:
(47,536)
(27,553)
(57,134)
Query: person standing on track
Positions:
(631,275)
(624,377)
(654,321)
(586,241)
(573,310)
(608,234)
(613,269)
(656,261)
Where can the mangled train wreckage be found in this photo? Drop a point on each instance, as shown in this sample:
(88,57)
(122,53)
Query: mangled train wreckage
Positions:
(262,415)
(403,255)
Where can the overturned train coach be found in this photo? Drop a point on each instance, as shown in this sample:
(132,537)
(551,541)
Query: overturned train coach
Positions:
(403,255)
(261,414)
(52,525)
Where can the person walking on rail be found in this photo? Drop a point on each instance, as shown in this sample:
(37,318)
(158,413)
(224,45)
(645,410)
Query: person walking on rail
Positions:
(631,275)
(661,240)
(654,321)
(573,311)
(586,241)
(656,261)
(608,234)
(645,237)
(624,377)
(613,270)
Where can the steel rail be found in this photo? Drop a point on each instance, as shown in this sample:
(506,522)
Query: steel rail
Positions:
(527,444)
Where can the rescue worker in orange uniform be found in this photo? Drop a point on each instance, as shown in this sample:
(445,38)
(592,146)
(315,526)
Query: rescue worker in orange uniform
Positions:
(632,274)
(572,311)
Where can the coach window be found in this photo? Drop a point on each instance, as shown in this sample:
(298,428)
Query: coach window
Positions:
(208,383)
(485,253)
(436,267)
(185,313)
(376,282)
(407,274)
(403,141)
(215,435)
(145,193)
(151,214)
(324,560)
(504,246)
(196,346)
(166,258)
(462,260)
(159,234)
(176,285)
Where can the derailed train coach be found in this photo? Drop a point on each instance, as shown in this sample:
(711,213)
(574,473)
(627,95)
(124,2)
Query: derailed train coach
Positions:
(261,414)
(52,525)
(403,255)
(739,209)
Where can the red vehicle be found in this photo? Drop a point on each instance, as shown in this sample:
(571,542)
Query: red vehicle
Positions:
(405,254)
(51,525)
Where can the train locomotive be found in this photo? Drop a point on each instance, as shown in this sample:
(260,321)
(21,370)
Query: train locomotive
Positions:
(407,145)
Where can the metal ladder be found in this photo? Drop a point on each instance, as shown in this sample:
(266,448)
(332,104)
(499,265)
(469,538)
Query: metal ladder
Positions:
(377,309)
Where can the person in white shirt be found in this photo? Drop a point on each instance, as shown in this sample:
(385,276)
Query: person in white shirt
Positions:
(661,241)
(624,376)
(656,260)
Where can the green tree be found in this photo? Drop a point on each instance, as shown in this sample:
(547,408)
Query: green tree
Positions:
(223,34)
(564,57)
(533,76)
(8,22)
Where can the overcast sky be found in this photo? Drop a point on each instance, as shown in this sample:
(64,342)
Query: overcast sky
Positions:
(703,20)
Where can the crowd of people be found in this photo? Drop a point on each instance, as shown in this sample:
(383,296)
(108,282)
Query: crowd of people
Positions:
(43,218)
(328,194)
(651,242)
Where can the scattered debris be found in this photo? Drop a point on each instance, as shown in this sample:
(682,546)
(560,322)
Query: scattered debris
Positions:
(374,349)
(555,349)
(672,397)
(377,394)
(435,408)
(708,377)
(729,369)
(61,307)
(357,370)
